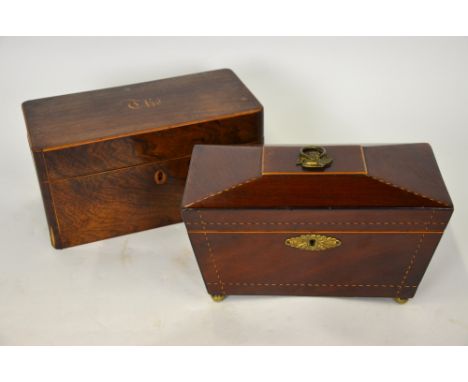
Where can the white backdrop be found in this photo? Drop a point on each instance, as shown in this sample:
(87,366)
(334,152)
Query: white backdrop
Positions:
(145,288)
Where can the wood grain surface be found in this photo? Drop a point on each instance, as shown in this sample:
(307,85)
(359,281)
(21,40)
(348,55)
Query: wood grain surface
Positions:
(114,161)
(87,117)
(388,229)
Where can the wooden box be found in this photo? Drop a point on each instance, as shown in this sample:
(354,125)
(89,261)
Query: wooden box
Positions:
(366,224)
(114,161)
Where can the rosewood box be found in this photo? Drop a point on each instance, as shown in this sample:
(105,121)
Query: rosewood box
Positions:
(333,221)
(114,161)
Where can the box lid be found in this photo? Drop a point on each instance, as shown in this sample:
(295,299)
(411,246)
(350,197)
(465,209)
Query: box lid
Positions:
(404,175)
(75,119)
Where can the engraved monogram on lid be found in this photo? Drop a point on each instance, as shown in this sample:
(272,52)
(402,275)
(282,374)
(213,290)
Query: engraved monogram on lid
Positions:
(145,103)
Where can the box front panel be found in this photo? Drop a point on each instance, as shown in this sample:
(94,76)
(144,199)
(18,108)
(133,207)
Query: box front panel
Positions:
(100,206)
(371,259)
(106,189)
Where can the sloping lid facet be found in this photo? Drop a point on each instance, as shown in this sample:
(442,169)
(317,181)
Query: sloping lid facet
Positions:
(404,175)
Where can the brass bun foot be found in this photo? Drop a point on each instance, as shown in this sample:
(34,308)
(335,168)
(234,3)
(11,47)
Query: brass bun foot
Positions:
(218,297)
(400,300)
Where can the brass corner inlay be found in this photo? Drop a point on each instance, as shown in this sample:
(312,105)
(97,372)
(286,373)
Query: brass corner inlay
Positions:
(52,236)
(313,242)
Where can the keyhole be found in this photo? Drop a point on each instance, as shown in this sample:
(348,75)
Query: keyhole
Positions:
(312,242)
(160,177)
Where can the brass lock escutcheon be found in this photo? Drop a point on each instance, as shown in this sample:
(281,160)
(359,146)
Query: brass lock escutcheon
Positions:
(313,157)
(313,242)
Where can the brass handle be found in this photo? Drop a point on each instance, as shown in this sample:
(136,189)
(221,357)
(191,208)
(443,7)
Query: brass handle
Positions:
(313,242)
(313,157)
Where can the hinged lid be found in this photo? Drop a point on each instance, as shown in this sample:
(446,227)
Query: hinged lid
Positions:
(403,175)
(80,118)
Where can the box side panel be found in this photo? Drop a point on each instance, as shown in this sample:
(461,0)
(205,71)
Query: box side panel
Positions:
(203,254)
(153,147)
(419,262)
(133,199)
(49,206)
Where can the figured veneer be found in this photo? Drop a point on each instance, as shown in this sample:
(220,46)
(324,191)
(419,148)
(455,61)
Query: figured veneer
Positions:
(114,161)
(386,206)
